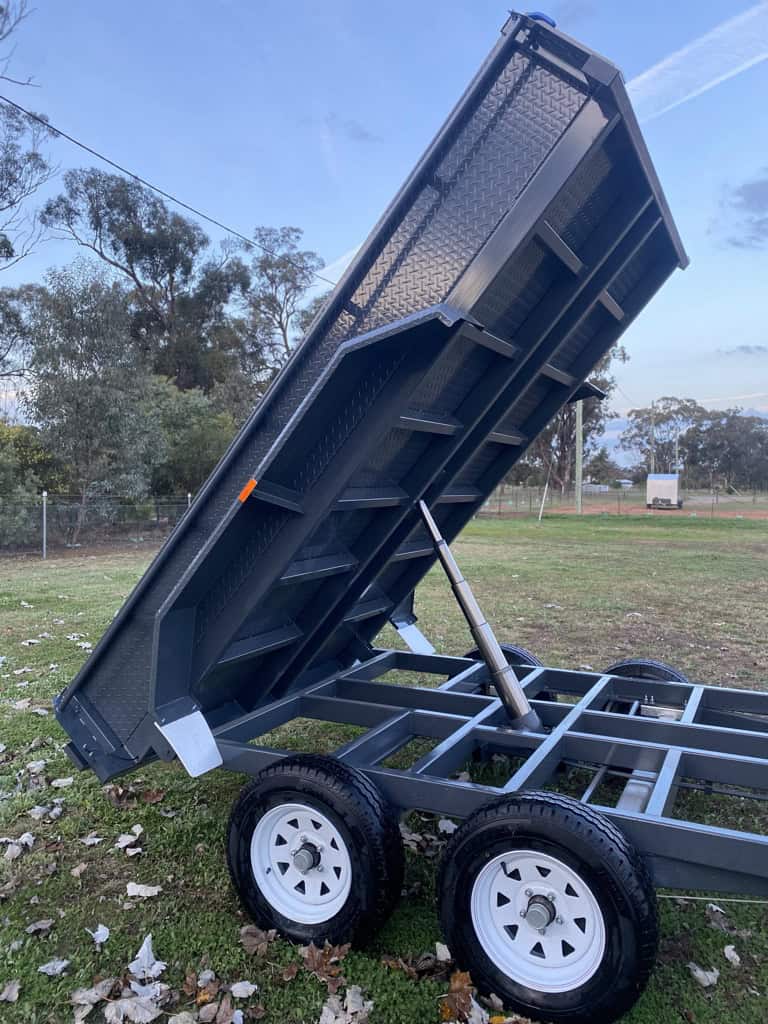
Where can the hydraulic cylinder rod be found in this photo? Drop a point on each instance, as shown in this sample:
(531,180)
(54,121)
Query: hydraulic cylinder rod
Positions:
(503,677)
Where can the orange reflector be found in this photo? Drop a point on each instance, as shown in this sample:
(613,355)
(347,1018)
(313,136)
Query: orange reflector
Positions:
(247,489)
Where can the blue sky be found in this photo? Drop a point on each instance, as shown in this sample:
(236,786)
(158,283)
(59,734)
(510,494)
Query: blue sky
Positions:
(312,113)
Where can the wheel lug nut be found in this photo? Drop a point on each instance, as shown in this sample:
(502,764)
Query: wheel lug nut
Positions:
(523,913)
(551,896)
(529,892)
(542,931)
(559,920)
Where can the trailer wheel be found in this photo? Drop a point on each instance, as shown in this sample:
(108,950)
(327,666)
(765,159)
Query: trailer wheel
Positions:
(646,668)
(515,655)
(547,905)
(315,851)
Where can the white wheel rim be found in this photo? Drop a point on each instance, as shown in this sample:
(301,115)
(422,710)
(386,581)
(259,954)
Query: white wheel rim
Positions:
(308,896)
(571,948)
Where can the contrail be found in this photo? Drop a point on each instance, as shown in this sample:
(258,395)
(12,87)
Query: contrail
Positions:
(727,50)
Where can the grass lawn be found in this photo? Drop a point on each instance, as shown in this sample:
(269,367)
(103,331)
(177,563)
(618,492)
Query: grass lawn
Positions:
(577,592)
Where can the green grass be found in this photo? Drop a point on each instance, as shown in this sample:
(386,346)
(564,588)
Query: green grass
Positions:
(687,591)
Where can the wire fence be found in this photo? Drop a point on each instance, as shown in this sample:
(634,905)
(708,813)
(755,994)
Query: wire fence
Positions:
(509,501)
(57,524)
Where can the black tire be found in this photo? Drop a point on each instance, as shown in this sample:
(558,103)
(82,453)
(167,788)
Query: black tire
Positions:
(366,823)
(602,858)
(515,655)
(646,668)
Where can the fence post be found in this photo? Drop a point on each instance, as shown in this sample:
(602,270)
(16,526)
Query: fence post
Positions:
(45,525)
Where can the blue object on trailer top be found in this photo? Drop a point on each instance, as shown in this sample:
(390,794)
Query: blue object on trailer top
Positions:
(526,240)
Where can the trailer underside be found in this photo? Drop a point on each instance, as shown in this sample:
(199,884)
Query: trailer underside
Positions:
(642,746)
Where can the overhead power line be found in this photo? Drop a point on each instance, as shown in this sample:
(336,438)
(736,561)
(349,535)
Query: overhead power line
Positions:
(156,188)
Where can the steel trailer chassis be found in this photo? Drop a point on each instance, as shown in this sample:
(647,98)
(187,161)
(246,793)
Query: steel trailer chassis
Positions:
(657,735)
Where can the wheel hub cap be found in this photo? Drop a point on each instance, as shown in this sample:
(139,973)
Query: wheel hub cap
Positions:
(301,863)
(538,921)
(540,913)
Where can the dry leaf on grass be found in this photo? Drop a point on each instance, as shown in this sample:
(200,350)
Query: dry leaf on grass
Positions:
(325,964)
(185,1017)
(354,1009)
(456,1004)
(122,797)
(100,934)
(705,978)
(11,991)
(243,989)
(54,968)
(256,941)
(144,892)
(91,839)
(145,967)
(152,796)
(62,783)
(134,1009)
(732,956)
(719,919)
(90,996)
(40,927)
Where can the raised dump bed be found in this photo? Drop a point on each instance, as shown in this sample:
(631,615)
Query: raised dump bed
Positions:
(528,237)
(526,240)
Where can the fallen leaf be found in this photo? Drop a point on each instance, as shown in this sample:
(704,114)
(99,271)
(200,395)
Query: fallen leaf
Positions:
(226,1011)
(11,991)
(135,1009)
(456,1004)
(256,941)
(91,839)
(143,891)
(290,972)
(152,796)
(123,797)
(208,1012)
(22,705)
(129,839)
(40,927)
(54,968)
(35,767)
(719,920)
(62,783)
(91,996)
(705,978)
(442,953)
(732,956)
(447,826)
(145,966)
(354,1009)
(42,712)
(99,935)
(243,989)
(325,964)
(185,1017)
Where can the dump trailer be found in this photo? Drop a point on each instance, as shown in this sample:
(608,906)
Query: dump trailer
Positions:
(527,239)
